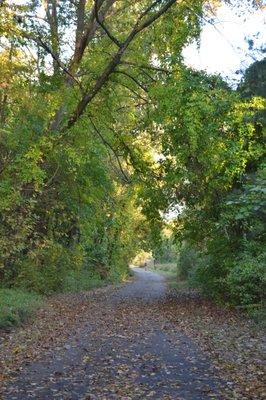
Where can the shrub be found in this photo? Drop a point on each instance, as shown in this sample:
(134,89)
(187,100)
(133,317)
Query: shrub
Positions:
(45,270)
(187,261)
(247,279)
(78,281)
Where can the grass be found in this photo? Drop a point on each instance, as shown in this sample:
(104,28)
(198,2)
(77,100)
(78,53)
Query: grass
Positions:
(171,273)
(169,270)
(178,284)
(16,306)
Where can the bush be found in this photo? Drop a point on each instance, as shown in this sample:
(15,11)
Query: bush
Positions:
(45,270)
(227,274)
(187,261)
(16,306)
(78,281)
(247,279)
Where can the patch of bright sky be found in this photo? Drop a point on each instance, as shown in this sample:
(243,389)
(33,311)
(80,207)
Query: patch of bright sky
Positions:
(223,48)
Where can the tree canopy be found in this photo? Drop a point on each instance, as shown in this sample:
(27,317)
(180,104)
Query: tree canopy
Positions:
(104,129)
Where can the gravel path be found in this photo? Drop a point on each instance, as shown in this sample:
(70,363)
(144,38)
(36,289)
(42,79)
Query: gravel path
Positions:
(126,349)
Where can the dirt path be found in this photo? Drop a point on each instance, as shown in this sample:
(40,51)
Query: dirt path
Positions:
(123,343)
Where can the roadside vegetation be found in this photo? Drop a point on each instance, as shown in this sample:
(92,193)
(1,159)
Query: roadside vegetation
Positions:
(167,269)
(17,307)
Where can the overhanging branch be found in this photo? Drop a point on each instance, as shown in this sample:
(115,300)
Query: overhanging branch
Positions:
(114,62)
(102,25)
(107,144)
(132,78)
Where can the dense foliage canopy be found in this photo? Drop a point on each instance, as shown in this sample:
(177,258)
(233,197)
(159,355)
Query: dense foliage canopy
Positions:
(214,165)
(103,130)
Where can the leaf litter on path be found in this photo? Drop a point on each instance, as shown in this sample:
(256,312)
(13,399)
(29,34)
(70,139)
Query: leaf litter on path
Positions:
(137,341)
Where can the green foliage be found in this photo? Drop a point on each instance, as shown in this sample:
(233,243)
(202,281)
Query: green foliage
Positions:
(96,145)
(167,269)
(78,281)
(254,80)
(247,279)
(45,269)
(166,252)
(187,262)
(16,306)
(74,179)
(213,166)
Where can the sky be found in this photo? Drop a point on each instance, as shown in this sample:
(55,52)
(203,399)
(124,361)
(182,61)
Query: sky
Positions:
(222,46)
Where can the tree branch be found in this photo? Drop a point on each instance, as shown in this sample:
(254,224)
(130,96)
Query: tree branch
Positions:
(132,78)
(80,13)
(103,78)
(153,18)
(106,143)
(56,59)
(52,18)
(108,33)
(136,96)
(155,3)
(89,32)
(149,67)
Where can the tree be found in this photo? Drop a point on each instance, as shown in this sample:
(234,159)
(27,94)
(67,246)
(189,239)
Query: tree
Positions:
(74,152)
(213,164)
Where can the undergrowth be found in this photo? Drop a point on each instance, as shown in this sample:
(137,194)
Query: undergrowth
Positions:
(16,306)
